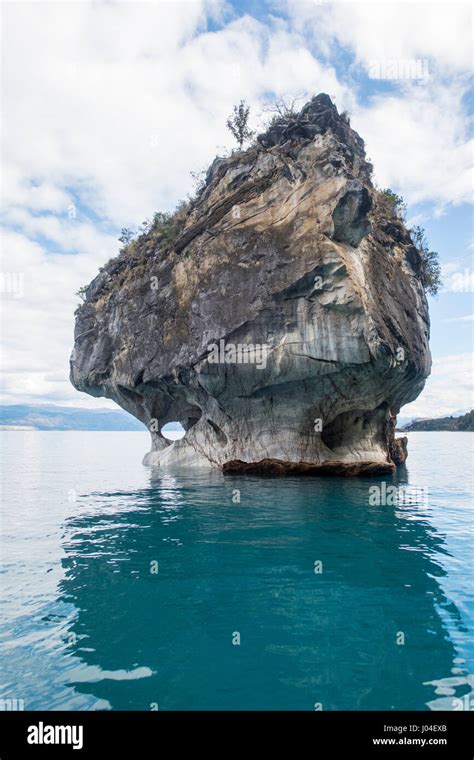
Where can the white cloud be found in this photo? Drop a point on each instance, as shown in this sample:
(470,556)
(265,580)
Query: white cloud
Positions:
(466,319)
(126,101)
(416,134)
(38,322)
(424,152)
(392,29)
(449,389)
(458,275)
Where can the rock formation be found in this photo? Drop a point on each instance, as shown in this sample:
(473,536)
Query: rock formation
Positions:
(285,323)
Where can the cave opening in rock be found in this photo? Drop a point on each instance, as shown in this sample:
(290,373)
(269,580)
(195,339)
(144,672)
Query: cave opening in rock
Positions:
(173,431)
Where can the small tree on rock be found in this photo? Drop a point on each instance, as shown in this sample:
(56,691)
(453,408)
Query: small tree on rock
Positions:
(430,266)
(284,109)
(396,203)
(126,236)
(237,123)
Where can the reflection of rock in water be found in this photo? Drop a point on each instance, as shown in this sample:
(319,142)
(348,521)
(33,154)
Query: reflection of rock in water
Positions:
(249,567)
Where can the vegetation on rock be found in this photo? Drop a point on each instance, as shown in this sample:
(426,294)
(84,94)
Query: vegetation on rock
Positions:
(430,267)
(237,123)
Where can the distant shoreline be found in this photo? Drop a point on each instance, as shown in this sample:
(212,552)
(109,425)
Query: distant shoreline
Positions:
(50,417)
(431,430)
(26,429)
(462,424)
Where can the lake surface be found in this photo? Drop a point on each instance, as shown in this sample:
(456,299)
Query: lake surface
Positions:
(126,588)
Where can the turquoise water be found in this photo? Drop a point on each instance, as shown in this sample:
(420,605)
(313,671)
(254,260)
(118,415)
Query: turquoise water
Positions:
(87,625)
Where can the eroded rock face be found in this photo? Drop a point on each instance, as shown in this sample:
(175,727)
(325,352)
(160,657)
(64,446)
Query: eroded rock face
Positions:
(289,259)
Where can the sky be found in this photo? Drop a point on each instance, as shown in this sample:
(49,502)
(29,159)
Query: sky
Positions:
(108,106)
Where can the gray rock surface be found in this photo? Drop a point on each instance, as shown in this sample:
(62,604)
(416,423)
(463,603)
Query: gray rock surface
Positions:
(289,255)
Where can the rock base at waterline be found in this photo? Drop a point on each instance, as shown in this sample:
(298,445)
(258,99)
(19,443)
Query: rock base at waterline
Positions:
(279,467)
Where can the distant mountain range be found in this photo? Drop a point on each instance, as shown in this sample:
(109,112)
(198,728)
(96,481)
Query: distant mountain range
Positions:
(51,417)
(464,422)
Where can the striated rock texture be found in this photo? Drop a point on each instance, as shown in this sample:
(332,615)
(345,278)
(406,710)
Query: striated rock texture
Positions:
(289,253)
